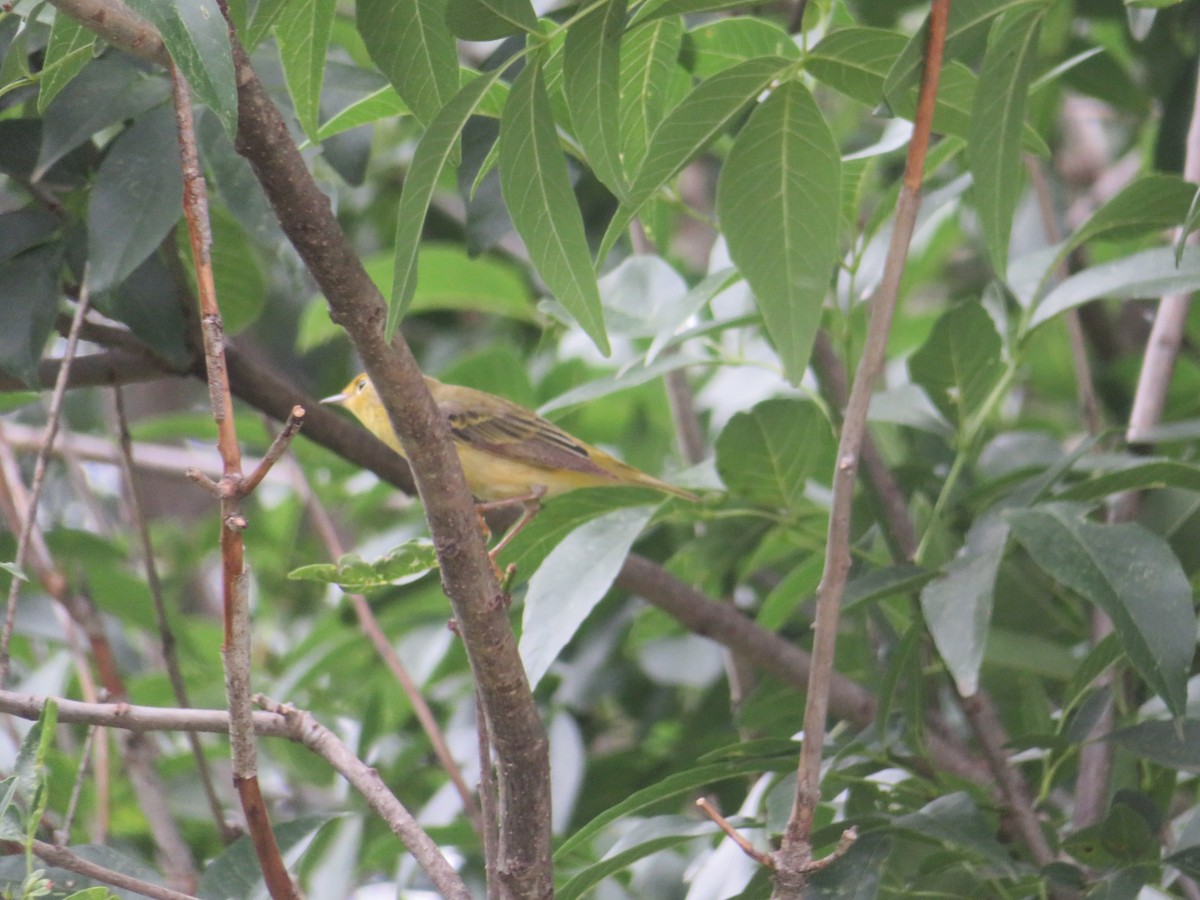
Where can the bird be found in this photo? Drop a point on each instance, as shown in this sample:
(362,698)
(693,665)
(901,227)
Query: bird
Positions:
(509,454)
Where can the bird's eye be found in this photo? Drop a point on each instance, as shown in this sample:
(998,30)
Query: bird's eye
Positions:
(362,385)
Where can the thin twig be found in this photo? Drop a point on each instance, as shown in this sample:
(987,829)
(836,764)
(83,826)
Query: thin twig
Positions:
(65,859)
(39,477)
(166,635)
(763,859)
(796,850)
(278,446)
(236,649)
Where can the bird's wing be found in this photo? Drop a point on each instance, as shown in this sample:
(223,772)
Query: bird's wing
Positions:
(515,433)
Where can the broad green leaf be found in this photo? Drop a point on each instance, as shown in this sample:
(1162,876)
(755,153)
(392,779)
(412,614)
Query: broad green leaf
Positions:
(959,363)
(855,875)
(237,272)
(967,20)
(678,313)
(658,9)
(768,454)
(197,37)
(263,20)
(689,129)
(886,582)
(29,286)
(723,43)
(956,820)
(647,837)
(1150,204)
(384,103)
(561,594)
(1190,223)
(957,606)
(1150,273)
(235,872)
(1132,575)
(778,198)
(451,279)
(1172,744)
(490,20)
(672,786)
(409,41)
(855,61)
(302,32)
(26,228)
(111,90)
(591,82)
(1139,476)
(997,119)
(537,189)
(68,50)
(142,302)
(136,199)
(437,147)
(351,572)
(648,60)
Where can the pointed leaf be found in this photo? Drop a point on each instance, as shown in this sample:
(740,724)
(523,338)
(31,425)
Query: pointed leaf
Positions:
(1171,744)
(409,41)
(959,363)
(721,44)
(591,81)
(437,147)
(302,32)
(648,57)
(351,572)
(197,37)
(1133,576)
(490,20)
(29,286)
(689,130)
(561,594)
(856,61)
(68,50)
(1150,273)
(537,189)
(997,119)
(768,453)
(778,198)
(136,199)
(957,605)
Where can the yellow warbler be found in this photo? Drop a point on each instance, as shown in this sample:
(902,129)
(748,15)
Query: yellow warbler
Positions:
(509,454)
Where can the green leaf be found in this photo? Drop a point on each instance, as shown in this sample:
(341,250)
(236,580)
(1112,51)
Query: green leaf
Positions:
(657,9)
(383,103)
(1138,476)
(856,61)
(29,286)
(723,43)
(645,838)
(68,50)
(11,569)
(406,563)
(302,32)
(490,20)
(967,19)
(409,41)
(136,199)
(1172,744)
(437,147)
(238,275)
(648,57)
(1150,273)
(1132,575)
(1148,205)
(111,90)
(671,786)
(768,453)
(561,594)
(957,606)
(591,82)
(235,871)
(997,120)
(778,198)
(197,37)
(959,363)
(537,189)
(688,130)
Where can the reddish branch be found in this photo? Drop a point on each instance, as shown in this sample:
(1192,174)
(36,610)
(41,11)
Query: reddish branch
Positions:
(795,854)
(232,488)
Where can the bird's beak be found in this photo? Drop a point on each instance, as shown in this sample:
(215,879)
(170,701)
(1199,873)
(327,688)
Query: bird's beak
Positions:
(336,398)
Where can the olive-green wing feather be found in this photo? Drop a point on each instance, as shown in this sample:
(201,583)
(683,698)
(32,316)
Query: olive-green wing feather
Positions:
(513,432)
